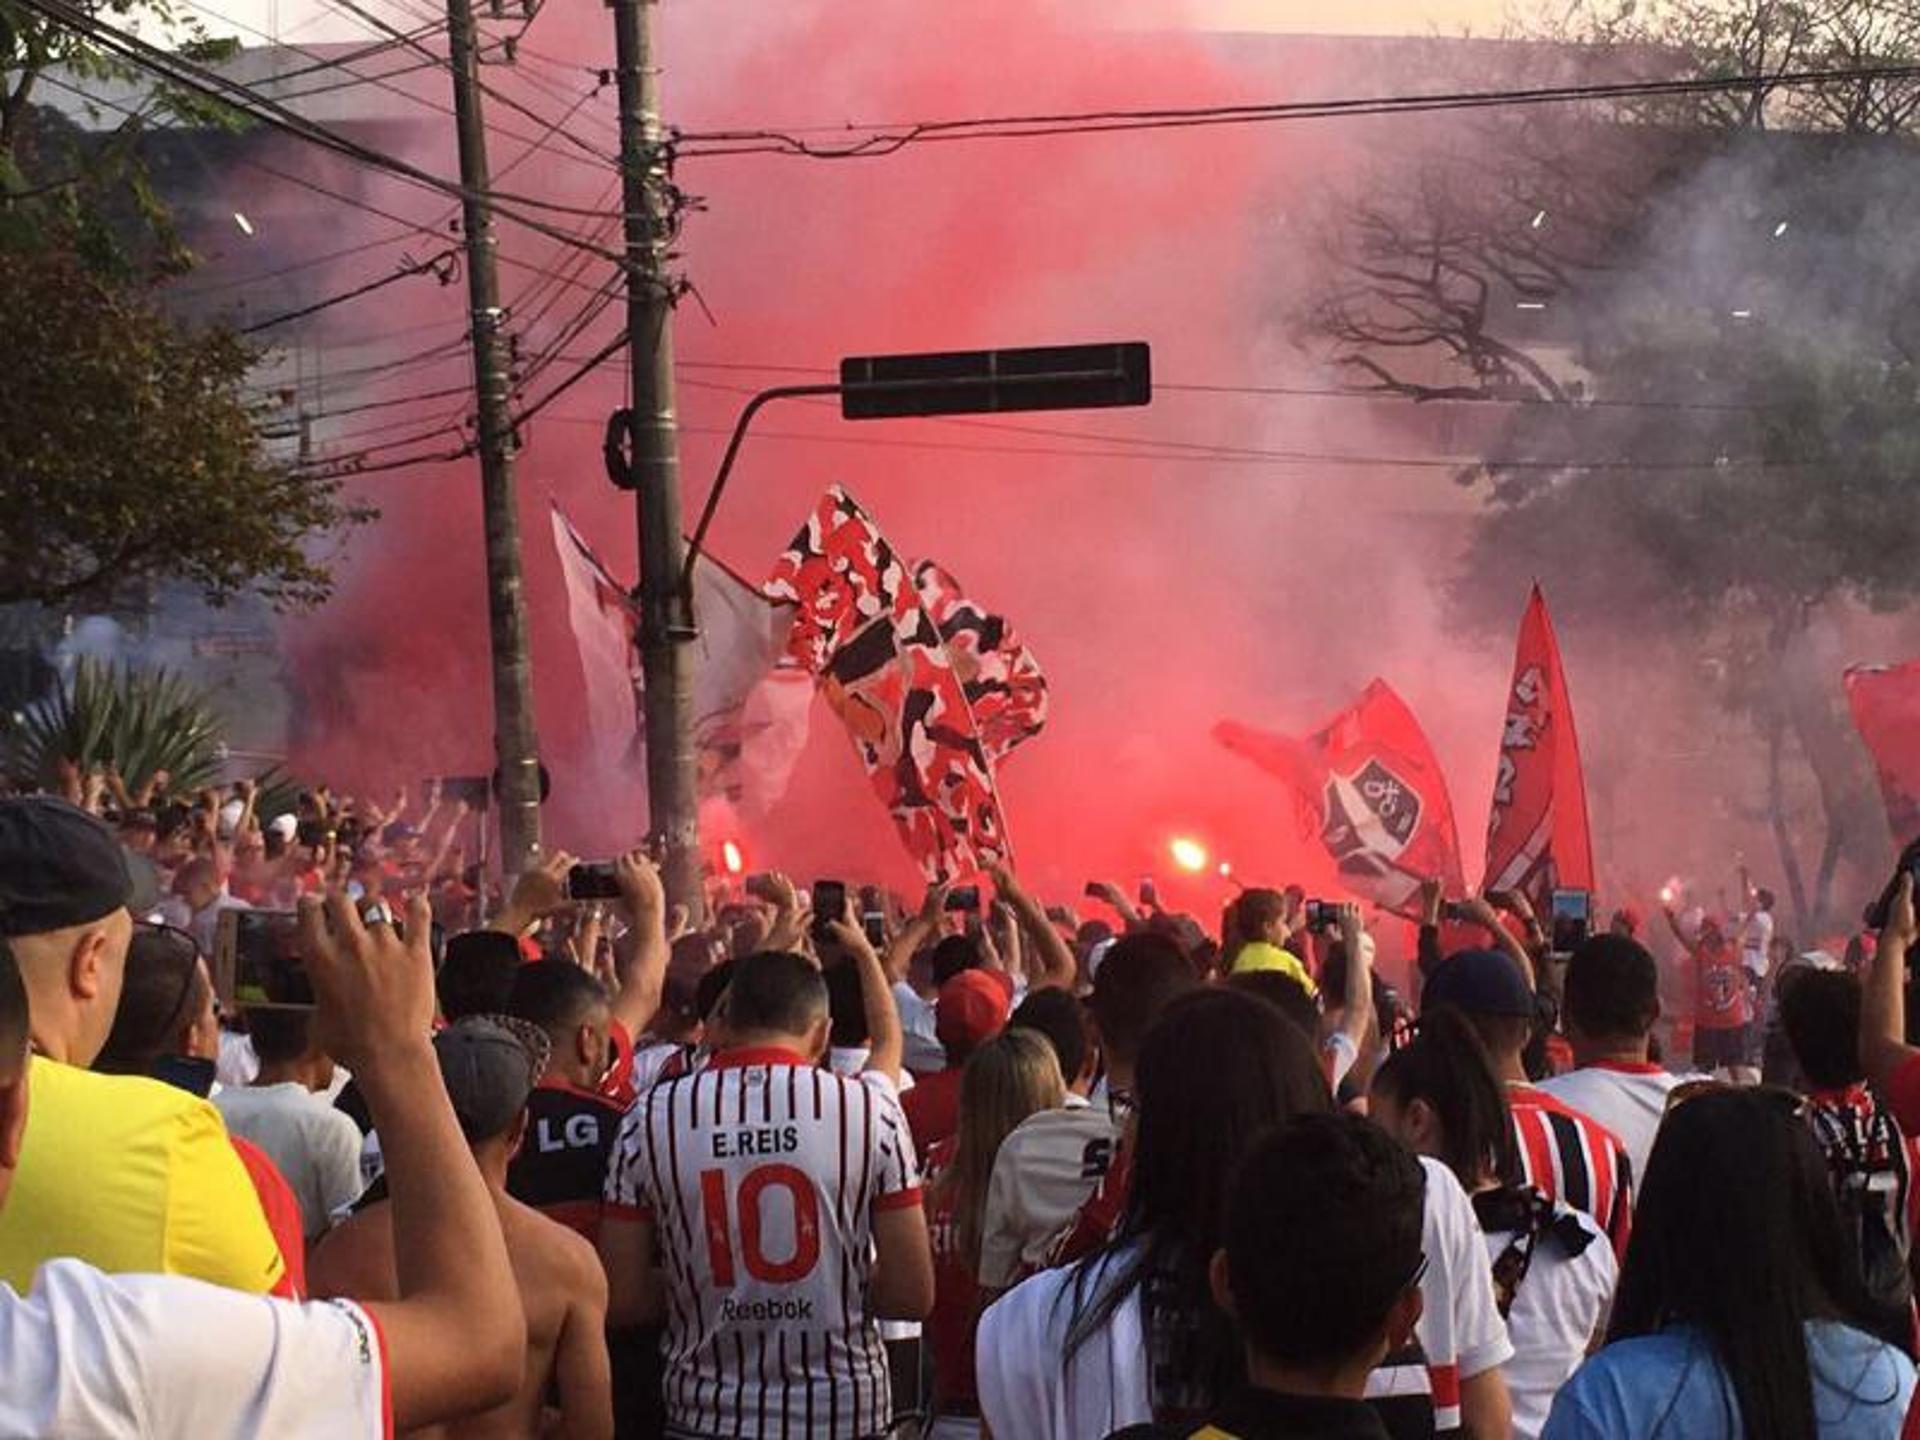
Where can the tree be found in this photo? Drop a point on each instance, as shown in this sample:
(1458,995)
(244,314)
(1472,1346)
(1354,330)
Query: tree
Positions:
(129,451)
(1699,313)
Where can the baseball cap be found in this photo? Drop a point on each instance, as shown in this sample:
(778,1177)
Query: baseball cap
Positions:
(490,1064)
(285,826)
(59,866)
(971,1009)
(1480,982)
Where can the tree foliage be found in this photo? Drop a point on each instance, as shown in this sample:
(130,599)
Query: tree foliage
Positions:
(138,722)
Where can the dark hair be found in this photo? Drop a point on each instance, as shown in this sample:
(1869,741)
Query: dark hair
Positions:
(954,954)
(477,976)
(775,991)
(1612,989)
(846,1005)
(1736,1233)
(713,985)
(1246,920)
(15,1019)
(1138,976)
(1285,994)
(1328,1206)
(1217,1069)
(1056,1014)
(162,992)
(279,1036)
(556,995)
(1446,1065)
(1820,1011)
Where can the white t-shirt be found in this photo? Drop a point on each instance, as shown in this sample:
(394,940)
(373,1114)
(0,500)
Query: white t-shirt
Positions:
(237,1064)
(317,1147)
(924,1052)
(1460,1330)
(1756,941)
(1027,1385)
(1555,1311)
(1629,1100)
(155,1356)
(1043,1173)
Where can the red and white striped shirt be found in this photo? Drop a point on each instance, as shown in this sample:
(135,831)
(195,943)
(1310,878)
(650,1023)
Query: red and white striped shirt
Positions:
(1573,1158)
(760,1175)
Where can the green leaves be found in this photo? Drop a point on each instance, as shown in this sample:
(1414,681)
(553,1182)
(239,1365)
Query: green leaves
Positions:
(139,721)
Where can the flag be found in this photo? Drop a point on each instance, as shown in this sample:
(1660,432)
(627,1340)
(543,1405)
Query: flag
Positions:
(603,620)
(1003,682)
(1537,838)
(860,629)
(1369,782)
(1885,700)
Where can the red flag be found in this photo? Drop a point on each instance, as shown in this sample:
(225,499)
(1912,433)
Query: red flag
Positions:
(1886,710)
(1537,837)
(860,629)
(1369,780)
(1004,685)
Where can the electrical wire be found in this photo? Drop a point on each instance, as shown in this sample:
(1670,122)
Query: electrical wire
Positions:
(433,265)
(890,139)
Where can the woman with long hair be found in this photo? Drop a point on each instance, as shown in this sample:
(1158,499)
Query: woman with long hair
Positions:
(1553,1270)
(1131,1335)
(1740,1311)
(1012,1076)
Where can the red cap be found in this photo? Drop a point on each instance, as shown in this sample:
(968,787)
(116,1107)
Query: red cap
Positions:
(971,1009)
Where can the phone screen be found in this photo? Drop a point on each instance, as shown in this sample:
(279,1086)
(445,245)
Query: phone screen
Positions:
(1572,914)
(264,959)
(829,902)
(595,881)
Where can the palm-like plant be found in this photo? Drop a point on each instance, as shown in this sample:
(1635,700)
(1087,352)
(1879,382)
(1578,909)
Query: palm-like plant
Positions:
(137,721)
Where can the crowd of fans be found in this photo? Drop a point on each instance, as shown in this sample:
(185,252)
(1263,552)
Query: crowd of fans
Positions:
(534,1165)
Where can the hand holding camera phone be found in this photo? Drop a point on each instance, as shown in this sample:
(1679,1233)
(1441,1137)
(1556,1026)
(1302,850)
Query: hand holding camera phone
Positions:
(829,908)
(258,961)
(595,880)
(1572,912)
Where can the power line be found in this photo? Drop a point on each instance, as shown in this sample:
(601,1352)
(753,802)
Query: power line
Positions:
(890,139)
(433,265)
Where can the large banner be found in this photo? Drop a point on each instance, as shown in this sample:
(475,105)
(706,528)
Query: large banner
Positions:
(1885,700)
(1537,836)
(1369,782)
(1004,685)
(859,627)
(603,620)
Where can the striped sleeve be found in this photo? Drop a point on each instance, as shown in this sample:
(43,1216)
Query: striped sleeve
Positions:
(896,1170)
(626,1194)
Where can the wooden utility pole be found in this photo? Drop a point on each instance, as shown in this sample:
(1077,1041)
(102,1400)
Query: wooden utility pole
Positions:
(666,618)
(516,748)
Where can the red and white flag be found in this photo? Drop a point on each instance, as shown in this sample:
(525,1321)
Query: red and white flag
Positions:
(1885,700)
(1369,782)
(1005,687)
(604,621)
(1537,836)
(860,628)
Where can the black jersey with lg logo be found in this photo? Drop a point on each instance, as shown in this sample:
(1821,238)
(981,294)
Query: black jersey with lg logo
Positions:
(561,1169)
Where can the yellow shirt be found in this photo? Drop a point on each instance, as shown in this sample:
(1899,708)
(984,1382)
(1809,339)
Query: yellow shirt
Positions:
(132,1176)
(1258,955)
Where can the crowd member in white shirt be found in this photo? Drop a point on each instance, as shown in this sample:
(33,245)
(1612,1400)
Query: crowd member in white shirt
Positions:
(1131,1335)
(1553,1270)
(163,1356)
(285,1112)
(1610,1003)
(1754,931)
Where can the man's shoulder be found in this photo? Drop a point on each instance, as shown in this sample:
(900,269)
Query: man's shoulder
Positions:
(568,1100)
(1060,1125)
(89,1108)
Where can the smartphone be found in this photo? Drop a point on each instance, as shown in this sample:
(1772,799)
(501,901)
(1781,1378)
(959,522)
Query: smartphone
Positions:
(258,962)
(829,907)
(1909,865)
(1456,912)
(1572,912)
(964,897)
(1149,892)
(874,923)
(1322,915)
(1095,890)
(475,790)
(760,887)
(593,881)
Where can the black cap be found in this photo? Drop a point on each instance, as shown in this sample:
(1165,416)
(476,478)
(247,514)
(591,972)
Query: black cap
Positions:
(490,1064)
(59,867)
(1479,982)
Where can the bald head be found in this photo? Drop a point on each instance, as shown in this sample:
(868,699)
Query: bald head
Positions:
(72,978)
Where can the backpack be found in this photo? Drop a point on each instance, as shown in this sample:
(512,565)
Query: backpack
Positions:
(1866,1158)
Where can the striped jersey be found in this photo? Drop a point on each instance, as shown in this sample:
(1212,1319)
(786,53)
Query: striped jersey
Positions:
(760,1176)
(1573,1158)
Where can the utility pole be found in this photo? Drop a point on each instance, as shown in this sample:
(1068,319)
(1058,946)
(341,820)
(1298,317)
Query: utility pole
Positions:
(666,618)
(516,749)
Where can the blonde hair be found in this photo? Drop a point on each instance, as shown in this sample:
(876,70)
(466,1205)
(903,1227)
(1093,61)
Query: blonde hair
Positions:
(1012,1076)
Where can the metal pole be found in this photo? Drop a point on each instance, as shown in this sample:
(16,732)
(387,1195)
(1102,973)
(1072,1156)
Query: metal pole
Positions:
(666,618)
(515,745)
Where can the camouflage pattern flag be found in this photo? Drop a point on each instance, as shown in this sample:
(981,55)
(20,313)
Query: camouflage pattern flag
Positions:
(1537,837)
(1369,782)
(1003,683)
(1885,700)
(860,629)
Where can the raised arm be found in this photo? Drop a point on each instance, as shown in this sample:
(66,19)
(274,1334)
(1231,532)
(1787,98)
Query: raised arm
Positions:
(456,1337)
(1883,1005)
(1122,906)
(918,931)
(1356,1015)
(643,963)
(1053,960)
(540,891)
(1482,913)
(885,1037)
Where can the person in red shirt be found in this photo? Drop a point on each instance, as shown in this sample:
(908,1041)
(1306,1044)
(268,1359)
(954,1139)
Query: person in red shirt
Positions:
(971,1009)
(1722,1001)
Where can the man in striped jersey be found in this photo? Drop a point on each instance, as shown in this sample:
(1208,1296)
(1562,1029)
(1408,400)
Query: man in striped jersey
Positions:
(1565,1155)
(783,1203)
